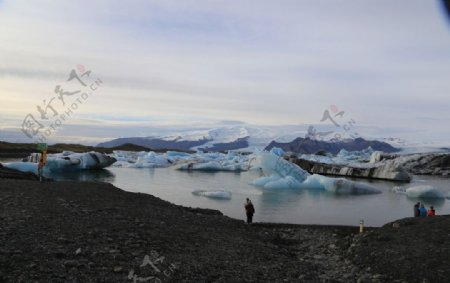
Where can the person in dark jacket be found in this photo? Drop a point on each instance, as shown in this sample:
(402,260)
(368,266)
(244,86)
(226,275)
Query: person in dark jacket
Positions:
(249,210)
(416,209)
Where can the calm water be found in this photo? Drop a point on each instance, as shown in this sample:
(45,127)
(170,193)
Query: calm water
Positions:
(288,206)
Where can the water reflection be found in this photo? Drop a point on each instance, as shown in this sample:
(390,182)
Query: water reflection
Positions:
(102,175)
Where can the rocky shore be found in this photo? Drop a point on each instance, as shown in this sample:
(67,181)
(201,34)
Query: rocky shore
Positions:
(95,232)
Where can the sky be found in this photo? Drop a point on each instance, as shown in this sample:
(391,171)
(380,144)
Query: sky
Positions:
(180,64)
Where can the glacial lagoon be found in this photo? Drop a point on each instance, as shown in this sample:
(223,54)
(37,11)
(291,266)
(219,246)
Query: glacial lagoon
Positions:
(298,206)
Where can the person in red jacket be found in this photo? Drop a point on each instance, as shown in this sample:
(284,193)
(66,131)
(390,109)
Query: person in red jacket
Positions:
(431,211)
(249,210)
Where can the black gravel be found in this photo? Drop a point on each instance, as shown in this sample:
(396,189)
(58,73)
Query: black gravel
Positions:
(95,232)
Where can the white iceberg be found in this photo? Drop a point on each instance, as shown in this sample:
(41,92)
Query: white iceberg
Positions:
(399,190)
(213,194)
(31,167)
(279,173)
(211,161)
(277,151)
(358,155)
(424,191)
(141,159)
(66,161)
(212,166)
(338,185)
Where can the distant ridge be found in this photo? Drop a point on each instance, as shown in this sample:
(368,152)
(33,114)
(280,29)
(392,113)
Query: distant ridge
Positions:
(156,143)
(310,146)
(179,144)
(224,146)
(13,150)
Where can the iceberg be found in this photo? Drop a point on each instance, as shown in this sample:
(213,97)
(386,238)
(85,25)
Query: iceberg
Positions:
(211,166)
(355,164)
(277,151)
(213,194)
(424,191)
(209,162)
(279,173)
(141,159)
(30,167)
(65,161)
(339,186)
(359,155)
(273,165)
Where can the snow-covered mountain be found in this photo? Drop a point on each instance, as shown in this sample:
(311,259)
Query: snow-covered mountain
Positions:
(245,137)
(215,139)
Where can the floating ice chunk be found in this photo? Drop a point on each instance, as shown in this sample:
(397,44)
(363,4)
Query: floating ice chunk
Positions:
(376,157)
(287,182)
(213,194)
(399,190)
(272,164)
(282,174)
(424,191)
(23,166)
(262,181)
(177,154)
(359,155)
(211,166)
(141,159)
(67,161)
(277,151)
(211,161)
(338,185)
(78,161)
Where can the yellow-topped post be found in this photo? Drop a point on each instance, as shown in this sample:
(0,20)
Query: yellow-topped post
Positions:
(43,160)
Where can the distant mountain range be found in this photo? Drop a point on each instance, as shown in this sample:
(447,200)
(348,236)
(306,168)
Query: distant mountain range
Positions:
(242,137)
(156,143)
(311,146)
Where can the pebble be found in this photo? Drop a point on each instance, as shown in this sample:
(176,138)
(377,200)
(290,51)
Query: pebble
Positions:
(70,263)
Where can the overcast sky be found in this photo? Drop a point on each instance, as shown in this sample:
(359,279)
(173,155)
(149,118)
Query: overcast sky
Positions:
(385,63)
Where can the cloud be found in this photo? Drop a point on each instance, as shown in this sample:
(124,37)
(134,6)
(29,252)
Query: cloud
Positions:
(256,61)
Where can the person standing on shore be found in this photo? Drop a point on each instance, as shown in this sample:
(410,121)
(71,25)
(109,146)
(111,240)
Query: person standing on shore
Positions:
(416,209)
(422,211)
(41,169)
(431,211)
(249,210)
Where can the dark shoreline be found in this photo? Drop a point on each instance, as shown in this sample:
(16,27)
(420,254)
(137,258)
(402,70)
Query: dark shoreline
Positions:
(95,232)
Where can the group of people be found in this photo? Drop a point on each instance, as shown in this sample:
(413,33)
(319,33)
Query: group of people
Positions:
(421,211)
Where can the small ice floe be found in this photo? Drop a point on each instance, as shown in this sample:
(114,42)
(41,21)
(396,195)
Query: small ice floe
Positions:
(424,191)
(212,166)
(213,194)
(399,190)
